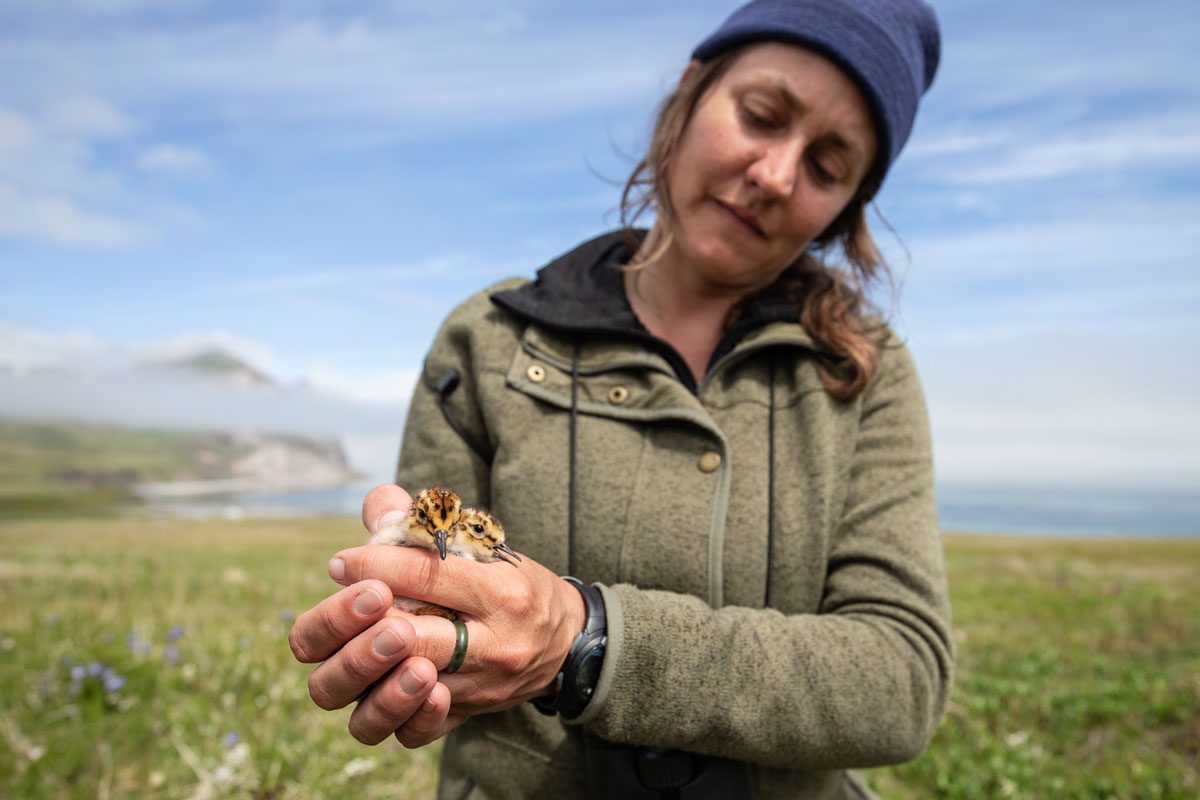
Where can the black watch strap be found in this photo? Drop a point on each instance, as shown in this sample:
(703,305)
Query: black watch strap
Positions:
(576,681)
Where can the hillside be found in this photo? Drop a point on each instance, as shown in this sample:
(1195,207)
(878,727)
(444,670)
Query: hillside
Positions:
(70,468)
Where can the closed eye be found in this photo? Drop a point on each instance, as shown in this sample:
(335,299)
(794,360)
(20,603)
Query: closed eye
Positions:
(823,175)
(759,120)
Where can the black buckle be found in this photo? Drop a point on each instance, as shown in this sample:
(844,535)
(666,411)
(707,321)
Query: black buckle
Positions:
(664,769)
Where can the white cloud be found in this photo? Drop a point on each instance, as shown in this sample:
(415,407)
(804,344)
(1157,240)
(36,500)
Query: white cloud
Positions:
(1063,410)
(408,75)
(1091,154)
(344,277)
(1089,238)
(394,387)
(61,221)
(49,188)
(86,117)
(175,160)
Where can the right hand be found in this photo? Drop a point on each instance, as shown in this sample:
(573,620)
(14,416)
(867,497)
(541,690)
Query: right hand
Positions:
(369,655)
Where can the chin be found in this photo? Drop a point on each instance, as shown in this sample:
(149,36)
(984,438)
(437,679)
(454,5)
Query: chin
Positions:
(721,265)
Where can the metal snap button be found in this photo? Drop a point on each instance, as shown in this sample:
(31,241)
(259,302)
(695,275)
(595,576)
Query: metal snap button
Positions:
(536,373)
(617,395)
(710,461)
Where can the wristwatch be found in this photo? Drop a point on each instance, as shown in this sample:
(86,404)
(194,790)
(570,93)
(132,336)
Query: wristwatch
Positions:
(576,681)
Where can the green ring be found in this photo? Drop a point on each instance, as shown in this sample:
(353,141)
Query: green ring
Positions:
(460,647)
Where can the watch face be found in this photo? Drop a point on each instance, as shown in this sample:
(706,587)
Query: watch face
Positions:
(589,669)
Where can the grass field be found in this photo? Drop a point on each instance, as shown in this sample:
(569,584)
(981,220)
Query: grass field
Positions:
(149,660)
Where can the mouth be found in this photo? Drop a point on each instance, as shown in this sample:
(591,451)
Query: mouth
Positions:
(743,218)
(440,538)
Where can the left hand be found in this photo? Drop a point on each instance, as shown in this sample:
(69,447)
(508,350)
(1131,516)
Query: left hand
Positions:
(521,619)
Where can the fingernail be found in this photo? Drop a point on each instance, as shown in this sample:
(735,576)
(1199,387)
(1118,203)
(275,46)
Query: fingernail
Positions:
(368,602)
(391,518)
(429,705)
(387,643)
(411,682)
(337,569)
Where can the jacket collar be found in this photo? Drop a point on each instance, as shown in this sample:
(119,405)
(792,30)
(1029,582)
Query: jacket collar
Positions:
(582,292)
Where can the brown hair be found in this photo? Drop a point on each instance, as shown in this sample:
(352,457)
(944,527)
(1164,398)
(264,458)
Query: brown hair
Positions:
(832,303)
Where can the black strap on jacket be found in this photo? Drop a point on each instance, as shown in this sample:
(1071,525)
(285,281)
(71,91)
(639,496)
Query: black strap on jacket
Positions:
(572,447)
(443,387)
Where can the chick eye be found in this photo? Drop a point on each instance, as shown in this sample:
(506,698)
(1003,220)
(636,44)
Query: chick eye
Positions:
(479,529)
(421,513)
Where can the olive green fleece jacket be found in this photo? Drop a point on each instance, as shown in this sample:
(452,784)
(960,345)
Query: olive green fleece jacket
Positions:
(847,662)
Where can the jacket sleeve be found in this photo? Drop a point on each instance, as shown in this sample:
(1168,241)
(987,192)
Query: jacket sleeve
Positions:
(446,439)
(863,682)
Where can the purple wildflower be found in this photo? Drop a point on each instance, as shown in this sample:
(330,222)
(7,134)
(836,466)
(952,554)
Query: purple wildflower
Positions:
(138,646)
(171,654)
(95,669)
(78,673)
(112,681)
(231,739)
(287,615)
(175,633)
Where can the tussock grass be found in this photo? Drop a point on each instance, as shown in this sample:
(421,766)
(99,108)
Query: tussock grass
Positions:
(148,659)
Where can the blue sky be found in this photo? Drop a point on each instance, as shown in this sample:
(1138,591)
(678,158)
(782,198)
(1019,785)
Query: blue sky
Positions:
(315,184)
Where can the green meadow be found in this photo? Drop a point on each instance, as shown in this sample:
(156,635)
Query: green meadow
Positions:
(148,659)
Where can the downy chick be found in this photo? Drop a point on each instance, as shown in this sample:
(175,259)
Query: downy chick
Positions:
(433,514)
(479,536)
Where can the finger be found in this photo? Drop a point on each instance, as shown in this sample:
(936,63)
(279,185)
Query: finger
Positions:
(320,631)
(429,723)
(385,500)
(437,637)
(393,702)
(457,583)
(351,670)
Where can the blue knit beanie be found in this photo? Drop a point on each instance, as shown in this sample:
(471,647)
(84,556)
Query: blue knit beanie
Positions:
(889,47)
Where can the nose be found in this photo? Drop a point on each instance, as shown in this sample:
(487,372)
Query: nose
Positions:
(776,168)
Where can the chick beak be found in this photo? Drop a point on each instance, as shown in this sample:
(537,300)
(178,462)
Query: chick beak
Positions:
(440,538)
(504,548)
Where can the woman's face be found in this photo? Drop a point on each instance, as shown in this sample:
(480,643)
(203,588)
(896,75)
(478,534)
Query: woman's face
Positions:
(774,151)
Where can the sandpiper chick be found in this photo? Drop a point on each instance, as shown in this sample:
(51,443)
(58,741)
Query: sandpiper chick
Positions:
(433,515)
(479,536)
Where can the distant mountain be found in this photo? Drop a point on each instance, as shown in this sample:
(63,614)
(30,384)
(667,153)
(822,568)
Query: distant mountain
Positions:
(71,467)
(217,362)
(208,387)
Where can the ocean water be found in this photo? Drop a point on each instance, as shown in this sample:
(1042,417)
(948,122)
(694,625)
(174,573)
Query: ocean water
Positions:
(1012,510)
(1070,511)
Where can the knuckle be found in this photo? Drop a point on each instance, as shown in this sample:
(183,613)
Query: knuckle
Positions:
(413,741)
(330,622)
(363,732)
(512,660)
(515,597)
(424,575)
(391,704)
(299,646)
(319,693)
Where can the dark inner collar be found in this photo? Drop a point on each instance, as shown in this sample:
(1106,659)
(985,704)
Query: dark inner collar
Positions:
(583,292)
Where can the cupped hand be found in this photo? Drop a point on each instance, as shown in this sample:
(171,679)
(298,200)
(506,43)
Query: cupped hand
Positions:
(521,618)
(367,654)
(376,659)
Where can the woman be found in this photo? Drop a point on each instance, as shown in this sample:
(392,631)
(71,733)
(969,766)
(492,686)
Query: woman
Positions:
(705,422)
